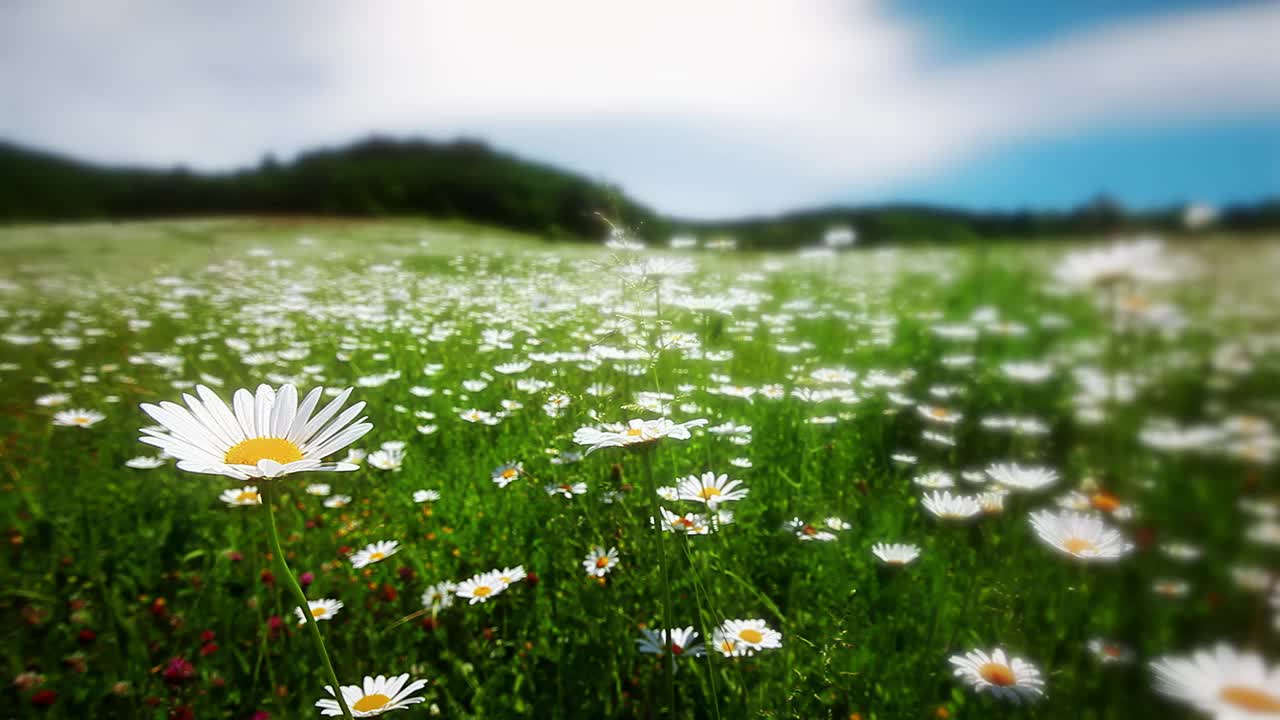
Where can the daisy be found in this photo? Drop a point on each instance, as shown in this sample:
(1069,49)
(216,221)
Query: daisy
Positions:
(247,495)
(1222,682)
(950,507)
(479,588)
(750,636)
(389,457)
(375,552)
(1110,653)
(566,489)
(936,480)
(323,609)
(439,596)
(269,435)
(895,553)
(710,489)
(689,523)
(505,474)
(378,695)
(426,496)
(938,414)
(600,562)
(681,641)
(1012,679)
(636,433)
(320,489)
(510,576)
(1019,478)
(337,501)
(807,532)
(1085,537)
(77,418)
(145,463)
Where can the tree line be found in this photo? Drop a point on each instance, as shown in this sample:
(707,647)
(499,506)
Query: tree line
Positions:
(468,180)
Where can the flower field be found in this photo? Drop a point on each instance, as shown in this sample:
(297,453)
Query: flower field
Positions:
(521,479)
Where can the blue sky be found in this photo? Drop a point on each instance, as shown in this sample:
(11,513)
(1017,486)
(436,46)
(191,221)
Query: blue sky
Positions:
(701,109)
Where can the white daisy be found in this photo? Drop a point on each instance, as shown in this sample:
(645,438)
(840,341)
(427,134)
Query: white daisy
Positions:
(680,641)
(426,496)
(1081,536)
(568,490)
(600,562)
(323,609)
(1012,679)
(337,501)
(1222,682)
(479,588)
(247,495)
(439,596)
(808,532)
(374,552)
(637,432)
(269,435)
(895,553)
(1019,478)
(750,636)
(378,695)
(1110,653)
(77,418)
(510,576)
(507,473)
(710,489)
(144,462)
(320,489)
(951,507)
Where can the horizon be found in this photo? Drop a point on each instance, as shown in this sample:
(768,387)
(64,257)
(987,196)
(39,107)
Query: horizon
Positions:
(1042,109)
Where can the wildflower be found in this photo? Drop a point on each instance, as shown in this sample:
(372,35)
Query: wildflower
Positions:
(566,489)
(636,433)
(77,418)
(680,641)
(439,596)
(1012,679)
(1019,478)
(247,495)
(807,532)
(600,562)
(1085,537)
(479,588)
(426,496)
(747,637)
(145,463)
(1222,682)
(710,489)
(1110,653)
(507,473)
(323,609)
(269,435)
(377,695)
(375,552)
(951,507)
(895,553)
(337,501)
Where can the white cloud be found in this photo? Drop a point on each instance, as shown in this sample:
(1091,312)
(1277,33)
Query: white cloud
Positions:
(710,107)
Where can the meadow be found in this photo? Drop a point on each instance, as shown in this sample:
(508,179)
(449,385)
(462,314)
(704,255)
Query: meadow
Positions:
(1072,446)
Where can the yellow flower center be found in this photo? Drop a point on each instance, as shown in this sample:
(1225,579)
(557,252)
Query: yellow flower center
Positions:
(997,674)
(940,413)
(482,591)
(1251,699)
(750,635)
(709,492)
(80,420)
(376,701)
(375,556)
(247,496)
(602,561)
(635,432)
(1078,545)
(249,452)
(318,611)
(509,473)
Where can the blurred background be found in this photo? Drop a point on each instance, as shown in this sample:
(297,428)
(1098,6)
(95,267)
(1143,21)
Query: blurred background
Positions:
(770,120)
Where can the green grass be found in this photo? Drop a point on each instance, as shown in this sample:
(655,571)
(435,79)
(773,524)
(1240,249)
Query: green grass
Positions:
(144,558)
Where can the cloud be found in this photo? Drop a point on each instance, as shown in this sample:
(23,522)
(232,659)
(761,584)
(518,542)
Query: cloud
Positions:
(707,108)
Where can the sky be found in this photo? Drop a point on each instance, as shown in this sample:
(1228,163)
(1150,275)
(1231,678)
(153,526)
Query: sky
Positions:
(704,109)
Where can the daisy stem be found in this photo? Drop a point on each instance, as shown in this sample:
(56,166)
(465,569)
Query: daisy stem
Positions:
(652,489)
(300,596)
